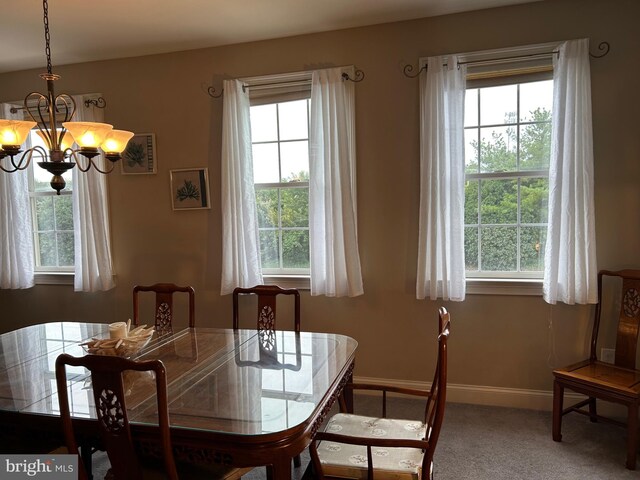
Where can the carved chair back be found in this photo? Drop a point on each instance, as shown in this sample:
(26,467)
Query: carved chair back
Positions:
(628,317)
(163,317)
(267,300)
(113,423)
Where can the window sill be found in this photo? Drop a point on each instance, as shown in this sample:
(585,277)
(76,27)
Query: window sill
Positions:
(53,278)
(493,286)
(301,282)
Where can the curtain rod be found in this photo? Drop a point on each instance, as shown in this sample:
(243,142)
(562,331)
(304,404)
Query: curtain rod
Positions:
(359,76)
(603,47)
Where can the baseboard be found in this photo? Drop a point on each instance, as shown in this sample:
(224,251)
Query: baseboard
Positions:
(499,396)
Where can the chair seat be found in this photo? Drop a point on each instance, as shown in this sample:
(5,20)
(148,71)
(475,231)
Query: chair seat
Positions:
(623,381)
(350,461)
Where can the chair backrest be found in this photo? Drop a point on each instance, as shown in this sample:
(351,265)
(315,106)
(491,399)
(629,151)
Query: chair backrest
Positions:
(267,295)
(113,422)
(434,411)
(628,317)
(164,305)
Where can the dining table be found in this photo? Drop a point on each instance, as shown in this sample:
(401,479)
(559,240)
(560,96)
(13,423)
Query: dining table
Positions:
(240,398)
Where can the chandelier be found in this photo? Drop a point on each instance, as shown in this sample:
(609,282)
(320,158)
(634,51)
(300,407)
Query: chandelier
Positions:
(53,115)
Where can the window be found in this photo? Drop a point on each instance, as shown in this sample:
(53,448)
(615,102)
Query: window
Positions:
(52,217)
(507,150)
(280,138)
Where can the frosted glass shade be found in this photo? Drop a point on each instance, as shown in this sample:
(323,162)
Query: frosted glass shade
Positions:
(116,141)
(88,134)
(67,140)
(14,132)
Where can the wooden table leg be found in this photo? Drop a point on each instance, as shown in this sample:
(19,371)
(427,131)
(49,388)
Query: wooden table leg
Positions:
(556,426)
(280,469)
(347,394)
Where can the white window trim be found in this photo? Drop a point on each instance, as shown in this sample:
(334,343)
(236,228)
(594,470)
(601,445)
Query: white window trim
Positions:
(533,60)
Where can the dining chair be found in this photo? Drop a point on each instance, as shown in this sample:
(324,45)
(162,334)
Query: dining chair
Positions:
(108,385)
(267,296)
(163,317)
(267,301)
(356,446)
(617,382)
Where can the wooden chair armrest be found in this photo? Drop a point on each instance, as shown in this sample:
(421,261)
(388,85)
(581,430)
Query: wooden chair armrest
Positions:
(388,388)
(384,389)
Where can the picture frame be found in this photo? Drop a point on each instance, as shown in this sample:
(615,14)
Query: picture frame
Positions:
(139,158)
(190,188)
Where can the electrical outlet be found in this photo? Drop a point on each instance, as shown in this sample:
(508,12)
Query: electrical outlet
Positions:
(607,355)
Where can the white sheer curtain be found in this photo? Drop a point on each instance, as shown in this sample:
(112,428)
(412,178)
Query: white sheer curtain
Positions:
(441,265)
(92,238)
(333,238)
(240,242)
(16,239)
(570,274)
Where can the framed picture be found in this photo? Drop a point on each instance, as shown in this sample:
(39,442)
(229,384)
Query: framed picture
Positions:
(140,155)
(189,188)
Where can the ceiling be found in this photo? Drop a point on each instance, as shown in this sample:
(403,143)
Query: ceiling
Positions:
(83,30)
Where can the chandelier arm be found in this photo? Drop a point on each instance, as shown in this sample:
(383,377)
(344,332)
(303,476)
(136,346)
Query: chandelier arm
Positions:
(74,153)
(104,172)
(18,166)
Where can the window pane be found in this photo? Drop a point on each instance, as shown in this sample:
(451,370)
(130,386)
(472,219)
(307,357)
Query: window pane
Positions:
(295,207)
(498,202)
(535,144)
(471,150)
(534,200)
(471,202)
(269,249)
(498,149)
(267,207)
(471,107)
(294,158)
(265,163)
(499,248)
(293,120)
(44,213)
(535,96)
(47,244)
(471,248)
(295,248)
(65,249)
(498,105)
(64,212)
(532,244)
(264,126)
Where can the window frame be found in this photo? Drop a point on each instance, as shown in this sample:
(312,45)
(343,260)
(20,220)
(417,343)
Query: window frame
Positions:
(276,89)
(43,271)
(494,68)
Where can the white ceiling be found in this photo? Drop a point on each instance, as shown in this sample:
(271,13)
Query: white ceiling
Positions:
(87,30)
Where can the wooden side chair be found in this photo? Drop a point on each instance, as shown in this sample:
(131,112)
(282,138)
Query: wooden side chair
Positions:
(113,422)
(618,382)
(164,305)
(355,446)
(267,296)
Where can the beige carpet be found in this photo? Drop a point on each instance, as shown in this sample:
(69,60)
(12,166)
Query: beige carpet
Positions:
(491,443)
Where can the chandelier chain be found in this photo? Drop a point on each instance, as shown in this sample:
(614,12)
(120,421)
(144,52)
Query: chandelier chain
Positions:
(47,36)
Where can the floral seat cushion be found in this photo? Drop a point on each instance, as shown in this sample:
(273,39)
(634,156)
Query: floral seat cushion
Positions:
(350,461)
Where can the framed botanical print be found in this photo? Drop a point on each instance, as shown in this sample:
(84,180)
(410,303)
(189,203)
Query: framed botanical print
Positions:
(140,155)
(189,188)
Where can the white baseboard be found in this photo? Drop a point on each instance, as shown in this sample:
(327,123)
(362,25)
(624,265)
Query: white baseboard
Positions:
(500,396)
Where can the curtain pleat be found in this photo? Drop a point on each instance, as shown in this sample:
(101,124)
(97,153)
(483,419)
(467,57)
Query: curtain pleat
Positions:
(240,241)
(570,274)
(16,239)
(92,237)
(333,238)
(441,263)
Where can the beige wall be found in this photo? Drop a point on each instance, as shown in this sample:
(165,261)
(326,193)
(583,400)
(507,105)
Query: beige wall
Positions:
(498,341)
